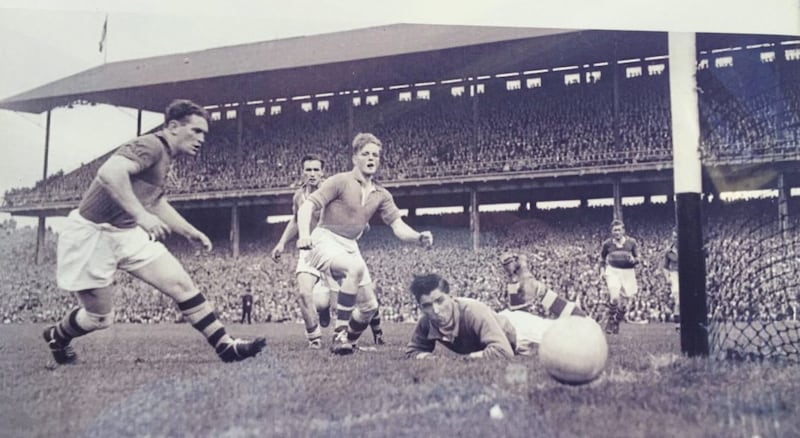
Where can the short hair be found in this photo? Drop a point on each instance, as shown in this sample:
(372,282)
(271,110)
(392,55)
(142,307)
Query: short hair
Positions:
(617,222)
(362,139)
(426,283)
(181,109)
(312,157)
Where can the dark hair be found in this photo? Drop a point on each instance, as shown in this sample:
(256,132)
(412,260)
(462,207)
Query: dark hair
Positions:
(312,157)
(426,283)
(180,110)
(362,139)
(617,222)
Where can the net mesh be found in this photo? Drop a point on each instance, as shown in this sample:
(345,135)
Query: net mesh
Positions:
(750,124)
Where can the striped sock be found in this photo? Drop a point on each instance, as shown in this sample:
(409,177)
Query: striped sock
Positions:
(201,315)
(375,323)
(559,306)
(345,303)
(355,329)
(314,333)
(70,327)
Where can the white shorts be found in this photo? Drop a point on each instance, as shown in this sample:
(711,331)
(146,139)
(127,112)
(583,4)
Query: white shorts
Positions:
(89,254)
(328,246)
(621,282)
(529,327)
(323,281)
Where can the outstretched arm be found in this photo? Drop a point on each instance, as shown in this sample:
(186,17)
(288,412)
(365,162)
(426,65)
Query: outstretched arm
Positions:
(408,234)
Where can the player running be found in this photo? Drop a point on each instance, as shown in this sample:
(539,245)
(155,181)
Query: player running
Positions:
(619,256)
(348,200)
(117,225)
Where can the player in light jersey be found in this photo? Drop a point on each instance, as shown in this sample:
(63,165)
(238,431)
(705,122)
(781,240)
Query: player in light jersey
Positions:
(348,200)
(117,225)
(619,256)
(526,292)
(309,280)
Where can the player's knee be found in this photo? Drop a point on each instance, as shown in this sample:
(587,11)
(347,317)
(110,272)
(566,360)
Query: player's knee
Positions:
(355,270)
(368,307)
(98,321)
(180,288)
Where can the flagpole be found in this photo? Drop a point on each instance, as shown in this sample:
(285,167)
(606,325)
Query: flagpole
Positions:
(104,40)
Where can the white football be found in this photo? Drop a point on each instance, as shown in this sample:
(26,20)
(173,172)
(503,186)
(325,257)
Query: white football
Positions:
(574,350)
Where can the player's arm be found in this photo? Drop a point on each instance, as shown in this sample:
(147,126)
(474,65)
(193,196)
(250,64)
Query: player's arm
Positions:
(115,177)
(167,213)
(408,234)
(490,334)
(420,347)
(327,191)
(635,253)
(304,215)
(288,234)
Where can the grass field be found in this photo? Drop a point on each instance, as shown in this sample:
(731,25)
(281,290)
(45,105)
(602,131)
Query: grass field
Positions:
(140,380)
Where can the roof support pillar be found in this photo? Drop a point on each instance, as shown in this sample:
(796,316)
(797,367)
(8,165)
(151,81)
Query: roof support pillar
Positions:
(41,226)
(474,218)
(235,232)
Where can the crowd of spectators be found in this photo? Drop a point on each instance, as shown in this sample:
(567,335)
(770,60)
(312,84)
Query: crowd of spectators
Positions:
(750,266)
(746,111)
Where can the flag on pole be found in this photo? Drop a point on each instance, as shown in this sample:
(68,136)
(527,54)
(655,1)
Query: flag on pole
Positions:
(103,34)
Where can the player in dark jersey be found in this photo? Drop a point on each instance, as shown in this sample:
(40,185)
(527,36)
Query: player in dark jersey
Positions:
(348,200)
(671,274)
(117,226)
(619,256)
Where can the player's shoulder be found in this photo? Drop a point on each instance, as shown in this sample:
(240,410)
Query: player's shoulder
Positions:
(148,143)
(339,178)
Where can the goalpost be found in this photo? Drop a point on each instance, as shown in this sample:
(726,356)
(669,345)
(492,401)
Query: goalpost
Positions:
(688,186)
(740,279)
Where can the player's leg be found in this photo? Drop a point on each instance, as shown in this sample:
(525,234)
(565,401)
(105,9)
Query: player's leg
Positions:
(305,299)
(674,286)
(95,312)
(375,326)
(166,274)
(365,309)
(630,287)
(529,328)
(86,262)
(614,283)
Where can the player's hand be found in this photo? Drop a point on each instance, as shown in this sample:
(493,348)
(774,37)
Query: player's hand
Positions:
(304,243)
(426,239)
(153,226)
(202,239)
(276,252)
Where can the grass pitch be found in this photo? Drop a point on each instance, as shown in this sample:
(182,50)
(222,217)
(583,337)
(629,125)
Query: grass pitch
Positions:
(164,380)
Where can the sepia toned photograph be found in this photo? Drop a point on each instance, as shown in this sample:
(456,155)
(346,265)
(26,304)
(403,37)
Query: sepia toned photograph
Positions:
(258,219)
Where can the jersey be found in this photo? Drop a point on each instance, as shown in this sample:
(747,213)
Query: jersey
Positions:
(299,197)
(152,155)
(477,328)
(619,254)
(348,205)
